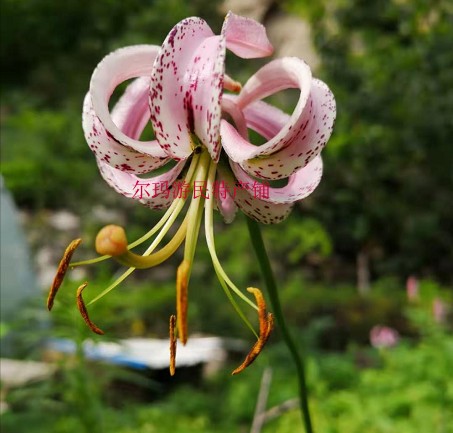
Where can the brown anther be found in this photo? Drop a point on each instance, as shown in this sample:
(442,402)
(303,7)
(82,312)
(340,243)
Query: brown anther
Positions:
(61,271)
(111,241)
(231,85)
(266,321)
(182,276)
(172,345)
(261,303)
(83,311)
(270,326)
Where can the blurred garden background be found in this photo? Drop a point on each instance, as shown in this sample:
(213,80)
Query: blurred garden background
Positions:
(371,247)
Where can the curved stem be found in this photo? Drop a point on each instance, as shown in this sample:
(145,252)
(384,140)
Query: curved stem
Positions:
(266,270)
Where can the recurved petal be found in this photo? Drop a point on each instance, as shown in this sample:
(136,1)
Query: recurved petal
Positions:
(131,114)
(277,75)
(226,207)
(154,192)
(246,37)
(109,150)
(260,210)
(115,68)
(170,97)
(301,145)
(230,108)
(300,184)
(206,88)
(311,136)
(250,203)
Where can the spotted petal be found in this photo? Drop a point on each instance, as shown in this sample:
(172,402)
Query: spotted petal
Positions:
(275,76)
(206,88)
(108,141)
(131,114)
(251,204)
(268,120)
(300,184)
(260,210)
(317,128)
(299,139)
(170,96)
(107,149)
(154,192)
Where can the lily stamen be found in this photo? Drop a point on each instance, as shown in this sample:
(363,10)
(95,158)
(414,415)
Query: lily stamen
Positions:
(61,271)
(172,344)
(182,276)
(84,312)
(266,321)
(227,285)
(165,223)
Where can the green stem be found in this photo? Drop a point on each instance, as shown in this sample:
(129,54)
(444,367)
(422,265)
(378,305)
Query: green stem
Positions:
(266,270)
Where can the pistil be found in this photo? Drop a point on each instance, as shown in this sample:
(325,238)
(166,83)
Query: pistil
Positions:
(111,240)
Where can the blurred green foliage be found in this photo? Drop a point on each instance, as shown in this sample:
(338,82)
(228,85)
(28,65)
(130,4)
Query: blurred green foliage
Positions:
(407,389)
(38,147)
(388,177)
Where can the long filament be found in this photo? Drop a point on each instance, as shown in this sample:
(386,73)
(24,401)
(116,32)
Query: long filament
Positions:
(176,206)
(195,211)
(179,206)
(221,274)
(209,224)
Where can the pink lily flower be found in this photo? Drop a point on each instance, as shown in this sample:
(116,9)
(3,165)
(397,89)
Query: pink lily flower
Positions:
(180,87)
